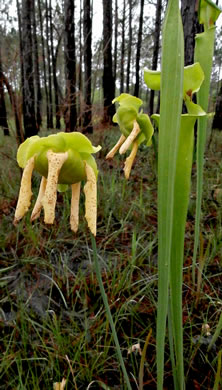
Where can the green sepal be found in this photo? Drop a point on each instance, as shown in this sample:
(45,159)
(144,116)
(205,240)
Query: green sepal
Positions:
(62,187)
(146,128)
(193,78)
(125,99)
(125,117)
(193,108)
(77,145)
(23,150)
(208,13)
(152,79)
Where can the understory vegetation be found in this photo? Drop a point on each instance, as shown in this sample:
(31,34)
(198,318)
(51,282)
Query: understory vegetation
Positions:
(53,324)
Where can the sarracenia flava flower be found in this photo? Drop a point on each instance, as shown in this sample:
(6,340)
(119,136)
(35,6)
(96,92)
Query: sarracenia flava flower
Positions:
(61,159)
(135,127)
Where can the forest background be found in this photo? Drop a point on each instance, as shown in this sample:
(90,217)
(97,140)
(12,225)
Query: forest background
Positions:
(63,62)
(58,73)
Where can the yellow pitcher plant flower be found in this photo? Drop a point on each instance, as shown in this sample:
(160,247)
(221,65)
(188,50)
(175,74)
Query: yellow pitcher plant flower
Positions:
(61,159)
(135,127)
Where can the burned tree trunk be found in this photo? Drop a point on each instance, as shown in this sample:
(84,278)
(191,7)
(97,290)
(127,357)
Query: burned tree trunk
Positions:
(70,66)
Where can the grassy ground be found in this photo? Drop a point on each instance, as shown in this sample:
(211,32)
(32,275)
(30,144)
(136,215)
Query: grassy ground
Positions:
(52,319)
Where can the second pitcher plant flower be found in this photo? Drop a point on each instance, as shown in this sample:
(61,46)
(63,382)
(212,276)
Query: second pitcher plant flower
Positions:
(135,127)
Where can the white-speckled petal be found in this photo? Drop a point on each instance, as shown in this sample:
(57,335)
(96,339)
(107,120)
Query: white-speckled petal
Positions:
(129,161)
(55,163)
(90,190)
(116,147)
(74,214)
(134,133)
(38,204)
(25,193)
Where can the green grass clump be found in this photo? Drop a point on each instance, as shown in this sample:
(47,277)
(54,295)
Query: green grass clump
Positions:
(53,323)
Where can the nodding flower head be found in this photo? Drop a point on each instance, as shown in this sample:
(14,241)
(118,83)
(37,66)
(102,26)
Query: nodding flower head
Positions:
(135,127)
(61,159)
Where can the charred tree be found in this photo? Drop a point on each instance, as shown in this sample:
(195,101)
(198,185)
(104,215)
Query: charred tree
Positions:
(29,119)
(191,27)
(87,30)
(129,48)
(115,41)
(108,80)
(138,52)
(217,121)
(38,92)
(70,66)
(3,112)
(50,124)
(123,49)
(156,47)
(44,63)
(54,57)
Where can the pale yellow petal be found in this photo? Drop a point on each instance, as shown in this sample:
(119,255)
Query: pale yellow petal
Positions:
(38,204)
(55,163)
(90,190)
(131,137)
(113,151)
(74,214)
(59,385)
(129,161)
(25,193)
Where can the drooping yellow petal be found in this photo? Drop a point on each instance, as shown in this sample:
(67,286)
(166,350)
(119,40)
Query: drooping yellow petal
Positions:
(74,214)
(59,385)
(38,204)
(55,163)
(25,192)
(134,133)
(113,151)
(129,161)
(90,190)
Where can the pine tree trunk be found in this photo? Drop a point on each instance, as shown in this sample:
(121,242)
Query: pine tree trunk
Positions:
(129,48)
(115,41)
(217,121)
(191,27)
(3,112)
(49,67)
(70,66)
(80,119)
(44,64)
(108,80)
(36,70)
(55,83)
(155,50)
(123,49)
(139,42)
(87,29)
(28,87)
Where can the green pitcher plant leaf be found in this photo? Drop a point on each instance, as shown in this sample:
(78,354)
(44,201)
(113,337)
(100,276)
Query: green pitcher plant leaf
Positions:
(181,200)
(171,98)
(203,53)
(61,159)
(135,127)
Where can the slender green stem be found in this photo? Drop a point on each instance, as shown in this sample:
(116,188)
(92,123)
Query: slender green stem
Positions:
(108,312)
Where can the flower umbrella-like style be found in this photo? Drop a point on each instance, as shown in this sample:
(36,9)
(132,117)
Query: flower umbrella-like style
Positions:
(61,159)
(135,127)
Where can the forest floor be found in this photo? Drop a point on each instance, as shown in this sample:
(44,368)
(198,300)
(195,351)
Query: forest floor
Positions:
(52,320)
